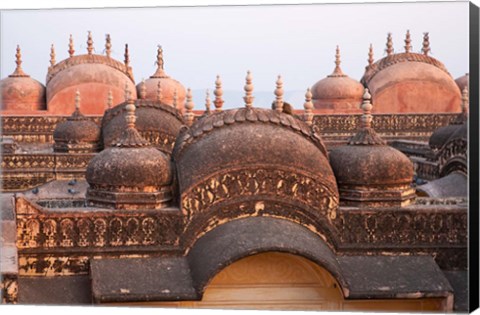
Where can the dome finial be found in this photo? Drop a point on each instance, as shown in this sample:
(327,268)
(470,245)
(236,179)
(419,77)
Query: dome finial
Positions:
(127,56)
(130,117)
(207,102)
(389,49)
(366,120)
(143,90)
(308,106)
(77,101)
(174,98)
(71,49)
(159,57)
(159,91)
(218,94)
(248,98)
(52,56)
(108,45)
(18,60)
(89,43)
(408,42)
(109,99)
(189,108)
(337,70)
(127,92)
(426,44)
(279,94)
(465,100)
(370,56)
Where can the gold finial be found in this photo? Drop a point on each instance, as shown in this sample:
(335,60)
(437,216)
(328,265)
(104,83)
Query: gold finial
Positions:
(366,119)
(89,43)
(408,42)
(426,44)
(71,49)
(52,56)
(174,98)
(130,117)
(159,91)
(109,99)
(189,108)
(127,92)
(370,56)
(143,90)
(389,49)
(218,94)
(248,98)
(127,56)
(159,57)
(108,45)
(18,60)
(465,100)
(77,100)
(279,94)
(308,106)
(207,102)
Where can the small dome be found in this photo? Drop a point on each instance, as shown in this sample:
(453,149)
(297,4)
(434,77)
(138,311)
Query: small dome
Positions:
(131,174)
(20,92)
(463,82)
(337,93)
(163,88)
(369,172)
(95,76)
(411,82)
(158,123)
(77,134)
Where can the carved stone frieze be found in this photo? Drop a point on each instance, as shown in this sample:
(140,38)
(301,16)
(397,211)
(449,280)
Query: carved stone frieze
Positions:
(9,289)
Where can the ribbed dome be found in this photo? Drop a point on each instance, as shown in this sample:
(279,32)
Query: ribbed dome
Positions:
(369,172)
(156,122)
(168,86)
(20,92)
(337,93)
(411,83)
(131,174)
(95,76)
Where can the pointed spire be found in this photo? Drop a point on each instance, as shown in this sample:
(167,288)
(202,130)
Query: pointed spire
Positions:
(279,95)
(389,49)
(207,102)
(366,135)
(189,116)
(465,100)
(370,56)
(130,117)
(175,98)
(108,45)
(127,56)
(71,49)
(89,43)
(130,137)
(52,56)
(143,90)
(159,73)
(248,98)
(18,69)
(159,91)
(77,101)
(308,106)
(109,99)
(426,44)
(408,42)
(218,94)
(337,70)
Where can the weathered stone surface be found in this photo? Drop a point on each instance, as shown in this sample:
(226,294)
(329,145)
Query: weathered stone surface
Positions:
(69,290)
(141,279)
(454,184)
(459,281)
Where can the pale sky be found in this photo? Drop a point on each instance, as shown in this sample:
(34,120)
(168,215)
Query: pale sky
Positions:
(296,41)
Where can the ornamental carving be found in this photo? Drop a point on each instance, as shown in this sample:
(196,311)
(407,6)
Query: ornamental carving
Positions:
(48,265)
(9,289)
